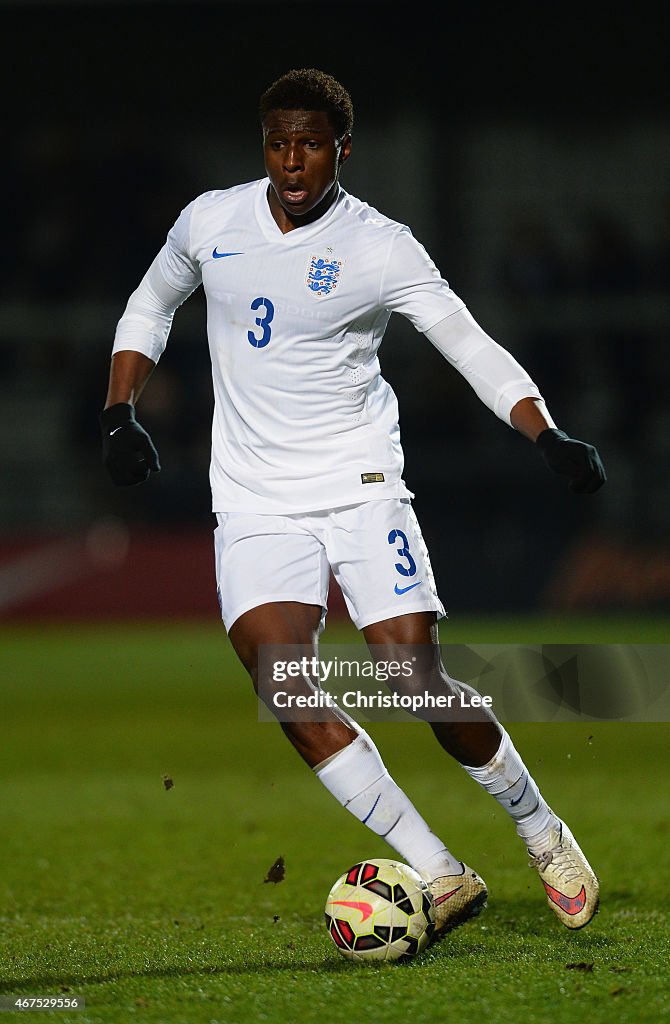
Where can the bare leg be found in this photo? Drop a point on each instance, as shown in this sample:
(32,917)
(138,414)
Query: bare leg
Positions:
(290,622)
(474,738)
(357,776)
(471,742)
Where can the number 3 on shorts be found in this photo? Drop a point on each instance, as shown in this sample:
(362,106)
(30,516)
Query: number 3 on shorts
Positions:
(263,322)
(403,551)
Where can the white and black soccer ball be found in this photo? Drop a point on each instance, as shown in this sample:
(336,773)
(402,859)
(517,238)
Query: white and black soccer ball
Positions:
(380,910)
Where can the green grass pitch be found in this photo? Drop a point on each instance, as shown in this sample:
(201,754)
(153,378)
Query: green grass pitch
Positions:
(150,902)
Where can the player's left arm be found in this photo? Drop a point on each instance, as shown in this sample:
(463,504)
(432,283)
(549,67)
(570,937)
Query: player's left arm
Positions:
(506,388)
(412,285)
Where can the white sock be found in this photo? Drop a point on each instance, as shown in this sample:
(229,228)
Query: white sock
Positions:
(356,776)
(507,779)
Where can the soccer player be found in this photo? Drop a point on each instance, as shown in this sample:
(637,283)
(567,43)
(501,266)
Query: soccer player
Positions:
(306,463)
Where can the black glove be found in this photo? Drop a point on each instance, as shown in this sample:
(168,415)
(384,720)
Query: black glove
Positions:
(128,452)
(575,459)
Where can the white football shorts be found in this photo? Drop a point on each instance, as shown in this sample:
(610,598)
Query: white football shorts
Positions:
(375,550)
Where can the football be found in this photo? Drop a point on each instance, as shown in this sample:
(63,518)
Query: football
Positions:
(380,910)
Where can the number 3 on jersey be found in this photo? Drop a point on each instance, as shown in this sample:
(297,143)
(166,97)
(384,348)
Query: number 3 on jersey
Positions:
(263,322)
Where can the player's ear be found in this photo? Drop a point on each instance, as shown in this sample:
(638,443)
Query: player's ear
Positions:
(345,149)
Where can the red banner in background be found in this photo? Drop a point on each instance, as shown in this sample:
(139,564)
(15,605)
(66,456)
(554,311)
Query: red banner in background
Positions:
(111,572)
(596,572)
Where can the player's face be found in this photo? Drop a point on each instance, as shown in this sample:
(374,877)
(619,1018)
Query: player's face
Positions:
(302,160)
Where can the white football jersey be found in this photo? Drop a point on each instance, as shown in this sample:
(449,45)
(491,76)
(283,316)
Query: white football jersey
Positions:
(303,419)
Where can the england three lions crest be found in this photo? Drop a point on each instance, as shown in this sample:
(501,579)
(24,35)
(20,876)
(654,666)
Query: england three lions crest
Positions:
(323,275)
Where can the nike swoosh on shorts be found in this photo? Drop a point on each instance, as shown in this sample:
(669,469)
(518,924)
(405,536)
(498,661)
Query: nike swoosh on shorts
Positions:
(403,590)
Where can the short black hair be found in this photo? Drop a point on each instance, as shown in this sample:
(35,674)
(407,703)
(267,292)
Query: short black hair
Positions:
(310,89)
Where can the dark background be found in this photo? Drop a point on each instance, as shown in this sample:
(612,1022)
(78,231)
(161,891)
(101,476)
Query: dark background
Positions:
(527,146)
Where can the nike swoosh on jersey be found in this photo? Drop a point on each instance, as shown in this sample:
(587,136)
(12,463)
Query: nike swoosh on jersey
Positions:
(219,255)
(365,908)
(403,590)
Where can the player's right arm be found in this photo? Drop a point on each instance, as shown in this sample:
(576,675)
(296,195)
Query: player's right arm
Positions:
(128,373)
(128,452)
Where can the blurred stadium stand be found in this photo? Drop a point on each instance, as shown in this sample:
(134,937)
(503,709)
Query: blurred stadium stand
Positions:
(544,202)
